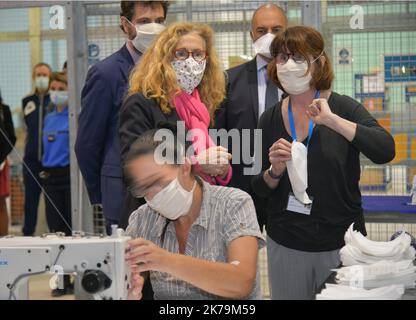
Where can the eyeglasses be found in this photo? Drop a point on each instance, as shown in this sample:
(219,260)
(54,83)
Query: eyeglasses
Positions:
(140,191)
(183,54)
(282,58)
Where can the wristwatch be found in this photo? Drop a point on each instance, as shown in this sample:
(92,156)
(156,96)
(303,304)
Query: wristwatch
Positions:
(273,176)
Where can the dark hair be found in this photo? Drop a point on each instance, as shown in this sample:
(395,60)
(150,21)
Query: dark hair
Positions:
(147,144)
(127,8)
(307,42)
(59,76)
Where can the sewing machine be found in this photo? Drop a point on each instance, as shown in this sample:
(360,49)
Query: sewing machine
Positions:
(98,262)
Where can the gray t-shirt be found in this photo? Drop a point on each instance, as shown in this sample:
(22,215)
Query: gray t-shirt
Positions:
(226,214)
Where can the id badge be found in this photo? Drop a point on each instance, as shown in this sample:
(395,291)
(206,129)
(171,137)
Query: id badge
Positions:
(294,205)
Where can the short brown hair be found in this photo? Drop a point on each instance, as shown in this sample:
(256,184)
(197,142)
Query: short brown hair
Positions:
(307,42)
(127,8)
(59,76)
(41,64)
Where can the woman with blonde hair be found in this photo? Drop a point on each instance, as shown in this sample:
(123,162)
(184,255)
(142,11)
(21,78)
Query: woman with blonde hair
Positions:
(178,79)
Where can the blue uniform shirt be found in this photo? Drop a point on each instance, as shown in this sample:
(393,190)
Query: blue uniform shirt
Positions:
(56,139)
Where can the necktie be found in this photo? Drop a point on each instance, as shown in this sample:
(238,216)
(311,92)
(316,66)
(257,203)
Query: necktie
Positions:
(272,95)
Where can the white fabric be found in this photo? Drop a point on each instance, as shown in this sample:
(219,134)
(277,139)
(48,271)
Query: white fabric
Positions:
(145,34)
(297,169)
(338,292)
(293,77)
(42,83)
(359,250)
(262,45)
(173,201)
(379,274)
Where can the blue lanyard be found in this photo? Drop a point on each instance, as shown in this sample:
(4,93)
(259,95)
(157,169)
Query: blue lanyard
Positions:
(292,122)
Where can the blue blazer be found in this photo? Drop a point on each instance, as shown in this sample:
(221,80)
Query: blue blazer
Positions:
(97,146)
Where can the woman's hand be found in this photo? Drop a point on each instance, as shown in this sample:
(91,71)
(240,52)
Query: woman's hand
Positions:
(279,153)
(136,285)
(214,161)
(320,113)
(144,255)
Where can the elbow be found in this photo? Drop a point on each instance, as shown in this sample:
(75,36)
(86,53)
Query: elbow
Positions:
(243,287)
(388,152)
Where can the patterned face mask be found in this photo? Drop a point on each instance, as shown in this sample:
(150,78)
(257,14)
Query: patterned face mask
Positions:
(189,73)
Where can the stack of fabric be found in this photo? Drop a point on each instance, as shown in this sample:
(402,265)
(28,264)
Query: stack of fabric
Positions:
(379,274)
(359,250)
(337,292)
(373,270)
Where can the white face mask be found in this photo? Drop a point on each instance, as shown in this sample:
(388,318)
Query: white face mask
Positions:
(145,34)
(297,169)
(262,45)
(59,98)
(42,83)
(292,76)
(189,73)
(173,201)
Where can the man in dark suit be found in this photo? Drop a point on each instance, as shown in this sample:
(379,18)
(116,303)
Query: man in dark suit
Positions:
(249,93)
(97,146)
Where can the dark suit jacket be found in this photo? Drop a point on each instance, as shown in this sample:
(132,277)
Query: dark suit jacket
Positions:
(97,146)
(31,118)
(138,115)
(240,110)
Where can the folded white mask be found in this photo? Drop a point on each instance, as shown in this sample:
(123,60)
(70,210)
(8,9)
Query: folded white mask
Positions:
(297,169)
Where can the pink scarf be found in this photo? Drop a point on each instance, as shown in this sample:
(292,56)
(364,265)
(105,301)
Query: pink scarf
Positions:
(191,109)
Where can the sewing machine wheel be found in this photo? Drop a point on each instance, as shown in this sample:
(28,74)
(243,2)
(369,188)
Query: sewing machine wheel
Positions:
(94,281)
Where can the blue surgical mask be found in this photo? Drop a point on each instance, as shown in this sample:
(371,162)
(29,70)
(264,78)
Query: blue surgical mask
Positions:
(42,83)
(59,98)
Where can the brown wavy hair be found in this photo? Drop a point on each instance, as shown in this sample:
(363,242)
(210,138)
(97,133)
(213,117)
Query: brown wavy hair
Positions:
(155,78)
(307,42)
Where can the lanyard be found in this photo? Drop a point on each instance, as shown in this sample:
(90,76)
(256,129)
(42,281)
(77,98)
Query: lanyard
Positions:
(292,122)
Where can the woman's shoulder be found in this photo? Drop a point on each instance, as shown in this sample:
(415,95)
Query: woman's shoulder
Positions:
(139,103)
(141,221)
(139,98)
(341,103)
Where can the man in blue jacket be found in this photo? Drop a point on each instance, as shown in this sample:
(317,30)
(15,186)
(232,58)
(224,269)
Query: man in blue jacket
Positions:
(97,147)
(34,108)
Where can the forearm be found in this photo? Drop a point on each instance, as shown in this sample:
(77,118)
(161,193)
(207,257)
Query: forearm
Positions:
(221,279)
(342,126)
(371,139)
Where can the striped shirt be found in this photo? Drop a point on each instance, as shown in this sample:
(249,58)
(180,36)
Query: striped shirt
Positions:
(226,214)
